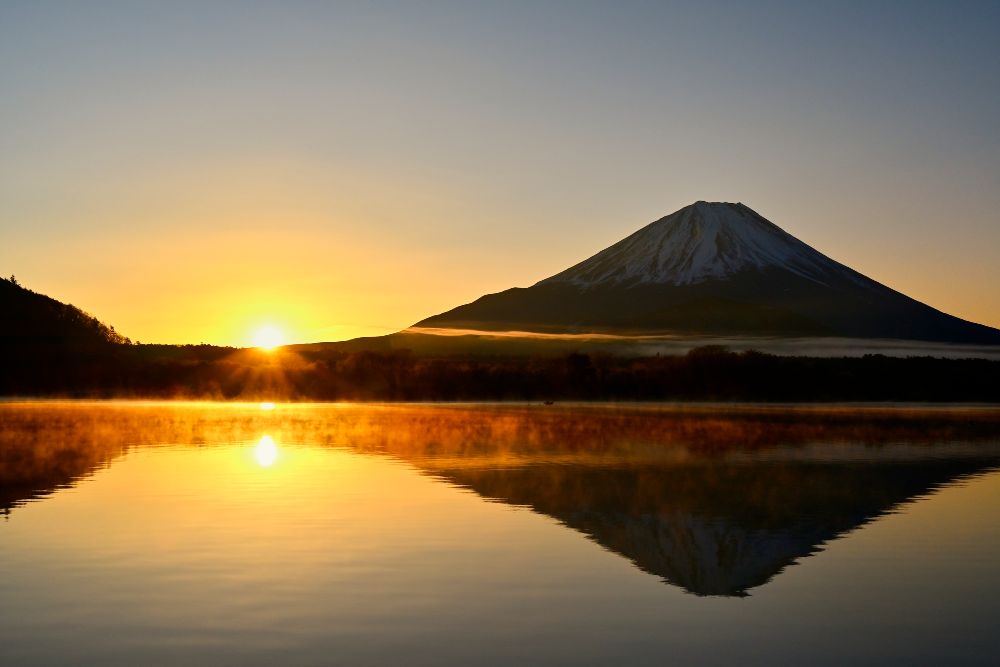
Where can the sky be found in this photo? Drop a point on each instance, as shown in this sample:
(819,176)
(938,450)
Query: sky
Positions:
(191,171)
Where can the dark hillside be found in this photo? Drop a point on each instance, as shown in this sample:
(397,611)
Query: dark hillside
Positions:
(27,317)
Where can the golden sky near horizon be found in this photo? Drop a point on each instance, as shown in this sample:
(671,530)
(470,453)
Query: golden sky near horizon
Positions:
(192,173)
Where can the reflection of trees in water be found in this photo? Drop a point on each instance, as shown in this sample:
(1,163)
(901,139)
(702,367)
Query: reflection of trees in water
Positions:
(714,499)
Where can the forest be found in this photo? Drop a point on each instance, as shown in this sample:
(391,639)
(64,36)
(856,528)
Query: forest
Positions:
(110,370)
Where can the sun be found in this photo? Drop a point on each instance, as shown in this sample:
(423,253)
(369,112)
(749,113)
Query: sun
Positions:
(268,337)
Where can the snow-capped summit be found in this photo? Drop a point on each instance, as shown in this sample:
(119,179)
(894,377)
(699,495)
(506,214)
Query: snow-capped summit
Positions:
(703,241)
(717,269)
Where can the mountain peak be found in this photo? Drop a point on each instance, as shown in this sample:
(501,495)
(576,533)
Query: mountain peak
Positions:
(702,241)
(712,268)
(702,204)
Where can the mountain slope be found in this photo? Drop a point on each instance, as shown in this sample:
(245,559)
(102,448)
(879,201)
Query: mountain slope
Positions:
(716,269)
(30,318)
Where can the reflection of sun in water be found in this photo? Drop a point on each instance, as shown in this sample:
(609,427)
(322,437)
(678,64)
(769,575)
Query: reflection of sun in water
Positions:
(268,337)
(266,452)
(267,405)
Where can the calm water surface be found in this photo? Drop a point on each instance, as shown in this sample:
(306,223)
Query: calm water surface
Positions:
(209,534)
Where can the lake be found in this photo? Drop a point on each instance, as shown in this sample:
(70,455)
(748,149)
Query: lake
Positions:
(258,534)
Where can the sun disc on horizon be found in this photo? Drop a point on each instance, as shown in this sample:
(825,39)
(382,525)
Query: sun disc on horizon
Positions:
(268,337)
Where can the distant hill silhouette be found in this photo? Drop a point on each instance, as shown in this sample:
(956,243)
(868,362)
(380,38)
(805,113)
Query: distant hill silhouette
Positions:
(32,318)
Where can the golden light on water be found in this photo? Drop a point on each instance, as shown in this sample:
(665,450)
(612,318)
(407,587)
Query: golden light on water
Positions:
(267,405)
(268,337)
(266,452)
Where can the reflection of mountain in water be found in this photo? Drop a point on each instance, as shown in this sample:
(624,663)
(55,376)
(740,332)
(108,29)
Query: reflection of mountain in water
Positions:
(714,499)
(716,529)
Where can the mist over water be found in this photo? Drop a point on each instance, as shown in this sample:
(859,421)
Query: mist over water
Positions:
(652,344)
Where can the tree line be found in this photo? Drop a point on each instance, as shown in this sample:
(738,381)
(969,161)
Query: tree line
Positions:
(704,374)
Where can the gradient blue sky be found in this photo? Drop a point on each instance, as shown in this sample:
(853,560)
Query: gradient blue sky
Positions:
(189,171)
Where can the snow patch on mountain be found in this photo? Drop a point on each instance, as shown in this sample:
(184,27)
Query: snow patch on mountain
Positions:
(703,241)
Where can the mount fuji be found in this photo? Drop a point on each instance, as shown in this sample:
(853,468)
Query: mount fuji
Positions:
(716,269)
